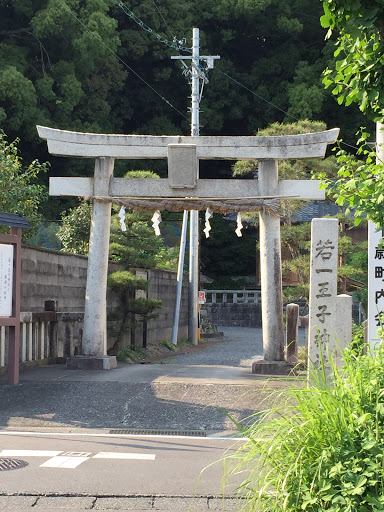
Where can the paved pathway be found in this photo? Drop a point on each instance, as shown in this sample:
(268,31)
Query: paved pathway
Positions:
(190,392)
(241,346)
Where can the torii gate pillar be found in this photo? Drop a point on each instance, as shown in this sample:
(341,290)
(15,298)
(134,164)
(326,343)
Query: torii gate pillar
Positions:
(95,336)
(270,270)
(94,341)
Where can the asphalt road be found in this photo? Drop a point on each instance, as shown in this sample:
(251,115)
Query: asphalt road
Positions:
(67,417)
(96,466)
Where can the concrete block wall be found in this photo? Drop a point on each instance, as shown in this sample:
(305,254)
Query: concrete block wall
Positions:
(55,275)
(48,274)
(234,315)
(162,285)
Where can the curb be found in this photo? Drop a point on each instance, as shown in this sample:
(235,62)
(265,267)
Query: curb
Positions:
(143,503)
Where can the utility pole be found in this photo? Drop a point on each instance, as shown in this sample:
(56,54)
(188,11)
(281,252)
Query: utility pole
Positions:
(180,269)
(197,77)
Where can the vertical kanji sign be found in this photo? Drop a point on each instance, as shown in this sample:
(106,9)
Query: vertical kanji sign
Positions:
(375,283)
(323,318)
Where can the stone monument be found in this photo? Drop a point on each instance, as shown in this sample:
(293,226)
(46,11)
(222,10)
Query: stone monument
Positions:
(330,315)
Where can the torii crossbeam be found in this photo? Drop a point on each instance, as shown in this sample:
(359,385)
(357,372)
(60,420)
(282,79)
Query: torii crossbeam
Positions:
(183,154)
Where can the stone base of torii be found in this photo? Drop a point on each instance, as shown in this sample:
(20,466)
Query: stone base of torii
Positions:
(183,154)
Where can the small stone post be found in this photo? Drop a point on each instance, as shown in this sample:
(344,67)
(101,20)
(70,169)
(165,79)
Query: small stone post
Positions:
(94,342)
(292,312)
(344,331)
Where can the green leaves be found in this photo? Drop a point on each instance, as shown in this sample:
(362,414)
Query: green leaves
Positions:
(124,280)
(74,229)
(319,448)
(325,20)
(359,183)
(19,191)
(356,72)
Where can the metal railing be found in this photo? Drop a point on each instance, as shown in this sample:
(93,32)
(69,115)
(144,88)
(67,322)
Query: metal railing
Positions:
(232,296)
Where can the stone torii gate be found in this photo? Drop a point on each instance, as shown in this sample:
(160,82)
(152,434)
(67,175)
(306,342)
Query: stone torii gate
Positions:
(183,153)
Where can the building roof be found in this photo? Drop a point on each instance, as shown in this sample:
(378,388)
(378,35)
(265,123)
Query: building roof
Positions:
(14,219)
(315,210)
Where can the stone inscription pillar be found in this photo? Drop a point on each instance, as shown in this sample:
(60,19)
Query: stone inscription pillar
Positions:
(323,315)
(94,342)
(270,268)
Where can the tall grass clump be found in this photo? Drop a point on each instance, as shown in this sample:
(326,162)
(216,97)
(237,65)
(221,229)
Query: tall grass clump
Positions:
(319,447)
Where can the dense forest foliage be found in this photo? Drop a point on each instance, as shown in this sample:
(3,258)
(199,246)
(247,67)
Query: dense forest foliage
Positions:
(105,66)
(88,65)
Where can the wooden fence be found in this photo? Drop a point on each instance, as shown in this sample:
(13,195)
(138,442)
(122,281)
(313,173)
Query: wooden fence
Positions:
(45,337)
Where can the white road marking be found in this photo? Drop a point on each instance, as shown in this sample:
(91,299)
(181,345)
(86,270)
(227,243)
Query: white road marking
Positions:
(64,462)
(30,453)
(121,455)
(70,460)
(76,454)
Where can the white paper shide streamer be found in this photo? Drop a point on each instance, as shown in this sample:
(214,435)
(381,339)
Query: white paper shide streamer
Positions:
(207,229)
(122,218)
(156,219)
(239,226)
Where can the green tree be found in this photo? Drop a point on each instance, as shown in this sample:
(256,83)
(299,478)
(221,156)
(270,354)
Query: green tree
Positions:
(295,238)
(137,246)
(224,255)
(133,312)
(19,192)
(356,77)
(356,74)
(75,228)
(55,69)
(58,65)
(290,169)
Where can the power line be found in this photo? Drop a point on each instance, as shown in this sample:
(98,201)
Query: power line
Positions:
(255,94)
(179,46)
(123,62)
(175,44)
(161,16)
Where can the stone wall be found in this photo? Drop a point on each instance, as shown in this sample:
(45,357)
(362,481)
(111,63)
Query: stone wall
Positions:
(162,285)
(47,274)
(54,275)
(234,315)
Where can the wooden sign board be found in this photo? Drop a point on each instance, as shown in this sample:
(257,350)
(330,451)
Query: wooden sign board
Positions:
(6,279)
